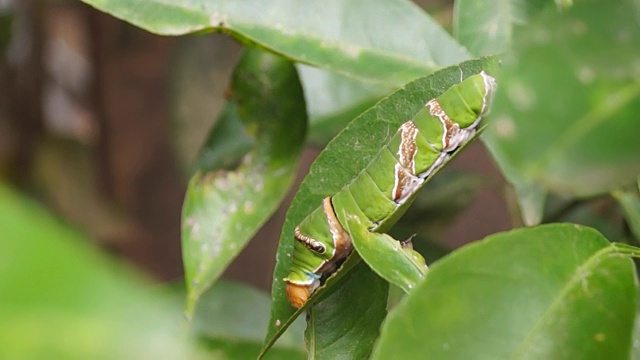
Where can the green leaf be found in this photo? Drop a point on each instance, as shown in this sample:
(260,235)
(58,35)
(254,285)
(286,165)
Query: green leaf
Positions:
(565,118)
(602,214)
(333,100)
(340,162)
(221,322)
(629,200)
(531,199)
(196,89)
(224,209)
(558,291)
(61,299)
(359,39)
(487,27)
(345,324)
(386,256)
(243,350)
(226,144)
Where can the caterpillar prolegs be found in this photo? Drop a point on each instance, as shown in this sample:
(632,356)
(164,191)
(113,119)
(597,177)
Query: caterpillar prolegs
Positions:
(384,189)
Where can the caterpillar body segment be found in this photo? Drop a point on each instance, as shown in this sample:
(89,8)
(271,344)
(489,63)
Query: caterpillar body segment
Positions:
(383,190)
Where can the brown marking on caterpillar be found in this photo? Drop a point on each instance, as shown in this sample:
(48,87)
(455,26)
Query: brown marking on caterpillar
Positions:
(404,185)
(450,128)
(405,180)
(311,243)
(341,238)
(408,148)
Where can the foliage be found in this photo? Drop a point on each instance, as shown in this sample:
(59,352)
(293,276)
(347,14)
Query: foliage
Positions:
(563,130)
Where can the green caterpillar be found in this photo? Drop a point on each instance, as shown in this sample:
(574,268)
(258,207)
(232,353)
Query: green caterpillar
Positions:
(377,198)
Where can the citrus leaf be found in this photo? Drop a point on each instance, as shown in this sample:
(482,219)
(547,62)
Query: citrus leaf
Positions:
(345,324)
(487,27)
(221,323)
(629,200)
(359,39)
(565,118)
(61,299)
(558,291)
(344,157)
(224,209)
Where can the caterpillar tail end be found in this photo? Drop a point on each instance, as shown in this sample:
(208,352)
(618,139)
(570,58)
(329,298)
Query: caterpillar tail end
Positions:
(298,294)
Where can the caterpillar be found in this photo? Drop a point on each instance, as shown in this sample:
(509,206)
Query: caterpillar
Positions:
(383,190)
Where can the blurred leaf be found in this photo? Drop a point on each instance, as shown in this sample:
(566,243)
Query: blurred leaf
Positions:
(358,39)
(60,299)
(66,175)
(226,144)
(333,100)
(487,27)
(242,350)
(344,157)
(558,291)
(224,209)
(221,322)
(629,200)
(437,205)
(601,214)
(531,199)
(565,118)
(200,66)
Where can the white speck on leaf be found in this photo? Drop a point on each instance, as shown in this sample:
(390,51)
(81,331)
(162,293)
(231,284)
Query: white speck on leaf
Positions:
(492,29)
(195,227)
(278,322)
(542,36)
(623,36)
(248,207)
(233,208)
(351,50)
(522,96)
(585,74)
(578,27)
(258,185)
(505,127)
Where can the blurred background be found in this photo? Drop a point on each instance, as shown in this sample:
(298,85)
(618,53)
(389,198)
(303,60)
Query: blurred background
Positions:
(100,122)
